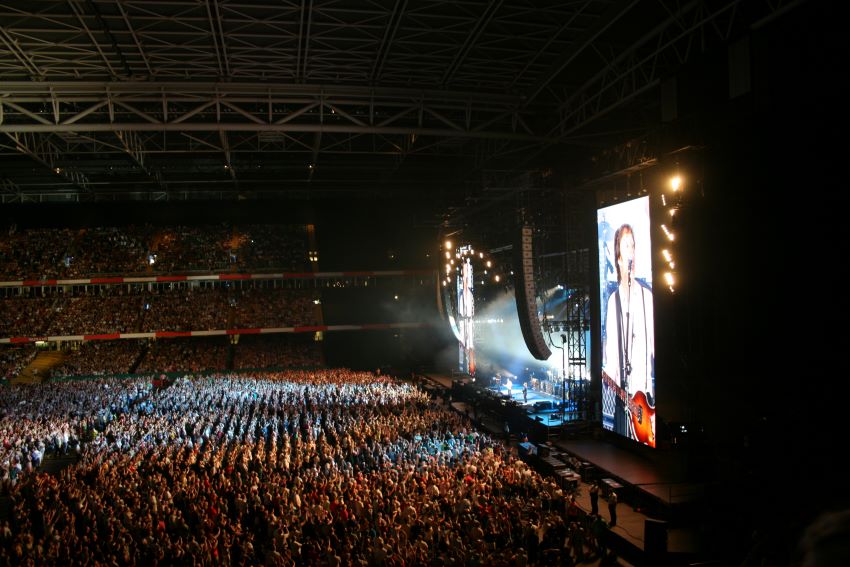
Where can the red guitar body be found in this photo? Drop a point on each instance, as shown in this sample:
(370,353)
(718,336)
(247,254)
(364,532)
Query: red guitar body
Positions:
(640,411)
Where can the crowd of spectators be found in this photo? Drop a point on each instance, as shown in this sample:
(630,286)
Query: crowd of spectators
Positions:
(26,316)
(99,358)
(267,246)
(92,314)
(38,253)
(123,356)
(189,248)
(165,307)
(55,417)
(269,308)
(277,351)
(46,253)
(289,468)
(186,310)
(193,354)
(14,358)
(110,357)
(108,250)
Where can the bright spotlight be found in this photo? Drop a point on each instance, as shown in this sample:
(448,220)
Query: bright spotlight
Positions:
(675,182)
(448,244)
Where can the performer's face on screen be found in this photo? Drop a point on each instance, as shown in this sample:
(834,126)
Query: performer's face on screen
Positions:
(627,251)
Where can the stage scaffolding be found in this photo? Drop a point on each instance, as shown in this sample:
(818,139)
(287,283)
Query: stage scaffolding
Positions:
(575,336)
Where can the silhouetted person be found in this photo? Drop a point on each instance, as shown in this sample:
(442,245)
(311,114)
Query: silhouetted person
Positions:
(594,498)
(612,507)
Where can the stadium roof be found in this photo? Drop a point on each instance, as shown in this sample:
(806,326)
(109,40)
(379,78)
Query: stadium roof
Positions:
(441,100)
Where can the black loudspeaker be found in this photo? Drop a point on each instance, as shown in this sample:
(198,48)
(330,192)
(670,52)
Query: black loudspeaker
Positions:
(654,537)
(526,297)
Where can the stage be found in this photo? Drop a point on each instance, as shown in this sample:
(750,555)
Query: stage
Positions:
(540,406)
(660,475)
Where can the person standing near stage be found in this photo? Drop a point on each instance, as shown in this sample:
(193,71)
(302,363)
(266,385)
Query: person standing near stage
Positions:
(612,507)
(594,498)
(572,509)
(525,392)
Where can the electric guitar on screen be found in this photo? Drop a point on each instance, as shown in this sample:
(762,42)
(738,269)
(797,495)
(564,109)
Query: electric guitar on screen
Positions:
(639,410)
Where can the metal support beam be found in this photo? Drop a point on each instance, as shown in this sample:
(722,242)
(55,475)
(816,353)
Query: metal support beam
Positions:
(42,150)
(471,39)
(9,191)
(641,66)
(25,60)
(134,147)
(386,42)
(112,106)
(225,147)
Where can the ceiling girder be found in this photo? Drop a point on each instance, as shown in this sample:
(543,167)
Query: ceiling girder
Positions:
(99,107)
(41,149)
(641,66)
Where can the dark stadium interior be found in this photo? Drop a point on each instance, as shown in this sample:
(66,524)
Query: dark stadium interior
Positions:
(388,127)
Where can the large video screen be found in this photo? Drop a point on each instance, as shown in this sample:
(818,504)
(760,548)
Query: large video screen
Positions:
(466,313)
(627,320)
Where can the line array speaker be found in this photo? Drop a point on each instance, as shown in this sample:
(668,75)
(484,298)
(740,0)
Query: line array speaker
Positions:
(526,294)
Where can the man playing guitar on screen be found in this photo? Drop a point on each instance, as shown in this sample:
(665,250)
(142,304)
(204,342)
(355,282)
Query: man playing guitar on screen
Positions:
(629,361)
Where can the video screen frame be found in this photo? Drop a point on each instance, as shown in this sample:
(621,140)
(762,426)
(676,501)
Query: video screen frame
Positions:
(627,319)
(466,313)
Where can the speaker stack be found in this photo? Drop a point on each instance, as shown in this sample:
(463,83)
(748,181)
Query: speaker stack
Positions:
(526,297)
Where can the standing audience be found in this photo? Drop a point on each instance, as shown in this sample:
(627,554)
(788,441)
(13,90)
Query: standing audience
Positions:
(284,468)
